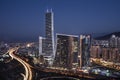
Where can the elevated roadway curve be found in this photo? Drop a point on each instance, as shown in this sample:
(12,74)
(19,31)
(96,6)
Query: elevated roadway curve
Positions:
(28,71)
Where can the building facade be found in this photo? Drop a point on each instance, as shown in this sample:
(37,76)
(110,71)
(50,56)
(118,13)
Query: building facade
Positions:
(111,54)
(95,52)
(114,42)
(67,51)
(41,46)
(108,50)
(49,29)
(85,44)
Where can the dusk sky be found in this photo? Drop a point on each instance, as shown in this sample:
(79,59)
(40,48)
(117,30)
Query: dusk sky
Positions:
(24,19)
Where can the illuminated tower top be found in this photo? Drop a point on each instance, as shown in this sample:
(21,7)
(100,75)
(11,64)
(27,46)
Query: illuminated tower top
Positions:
(48,11)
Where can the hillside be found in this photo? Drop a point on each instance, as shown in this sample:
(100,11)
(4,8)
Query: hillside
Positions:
(105,37)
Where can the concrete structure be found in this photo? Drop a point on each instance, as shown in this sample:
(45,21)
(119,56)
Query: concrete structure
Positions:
(111,54)
(49,29)
(95,52)
(41,46)
(67,51)
(85,44)
(114,42)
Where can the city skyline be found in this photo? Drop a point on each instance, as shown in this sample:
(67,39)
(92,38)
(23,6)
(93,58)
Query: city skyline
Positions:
(25,19)
(66,46)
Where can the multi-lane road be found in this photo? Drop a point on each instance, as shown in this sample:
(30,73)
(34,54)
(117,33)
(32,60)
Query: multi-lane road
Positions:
(28,71)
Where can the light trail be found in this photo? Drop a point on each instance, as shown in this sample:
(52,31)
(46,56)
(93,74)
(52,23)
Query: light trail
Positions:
(47,78)
(28,71)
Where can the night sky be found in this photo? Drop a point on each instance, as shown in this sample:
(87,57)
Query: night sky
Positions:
(24,19)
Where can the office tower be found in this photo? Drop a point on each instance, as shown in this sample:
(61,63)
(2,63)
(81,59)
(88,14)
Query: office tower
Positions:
(67,51)
(85,44)
(49,25)
(41,46)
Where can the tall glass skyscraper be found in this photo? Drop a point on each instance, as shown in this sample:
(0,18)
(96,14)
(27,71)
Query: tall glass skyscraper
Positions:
(49,25)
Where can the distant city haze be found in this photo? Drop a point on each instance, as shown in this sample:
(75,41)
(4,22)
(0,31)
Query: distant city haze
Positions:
(24,20)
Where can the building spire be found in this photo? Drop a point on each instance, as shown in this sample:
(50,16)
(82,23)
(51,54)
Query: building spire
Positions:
(47,10)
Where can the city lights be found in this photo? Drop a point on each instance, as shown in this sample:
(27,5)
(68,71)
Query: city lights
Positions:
(61,55)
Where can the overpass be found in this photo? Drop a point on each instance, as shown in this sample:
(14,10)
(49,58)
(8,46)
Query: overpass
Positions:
(28,71)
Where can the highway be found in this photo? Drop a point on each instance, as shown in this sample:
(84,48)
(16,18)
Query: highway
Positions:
(28,71)
(61,78)
(79,74)
(107,64)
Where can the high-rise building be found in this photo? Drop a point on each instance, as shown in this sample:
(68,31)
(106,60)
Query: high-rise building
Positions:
(106,53)
(85,44)
(111,54)
(49,25)
(113,41)
(67,51)
(41,46)
(95,52)
(101,43)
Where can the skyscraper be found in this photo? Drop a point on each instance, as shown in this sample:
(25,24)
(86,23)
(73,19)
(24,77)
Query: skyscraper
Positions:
(85,44)
(49,25)
(67,51)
